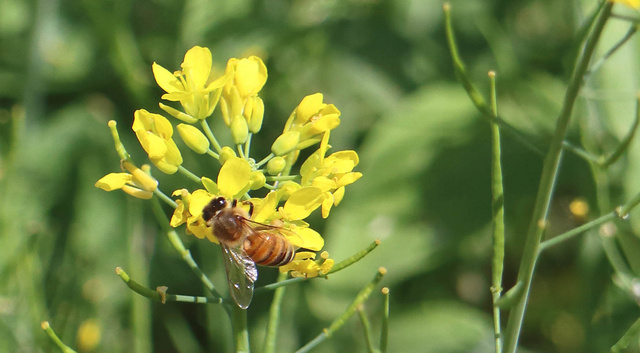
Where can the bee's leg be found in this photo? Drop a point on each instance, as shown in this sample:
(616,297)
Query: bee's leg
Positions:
(250,208)
(234,203)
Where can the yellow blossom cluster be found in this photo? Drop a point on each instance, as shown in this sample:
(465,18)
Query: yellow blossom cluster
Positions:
(291,197)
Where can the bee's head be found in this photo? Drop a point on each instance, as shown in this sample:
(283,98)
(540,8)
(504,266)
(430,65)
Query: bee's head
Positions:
(213,207)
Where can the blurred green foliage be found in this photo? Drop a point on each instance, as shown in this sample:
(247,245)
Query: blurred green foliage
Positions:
(69,66)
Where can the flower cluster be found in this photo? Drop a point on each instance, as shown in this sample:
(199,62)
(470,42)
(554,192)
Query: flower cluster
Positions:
(291,198)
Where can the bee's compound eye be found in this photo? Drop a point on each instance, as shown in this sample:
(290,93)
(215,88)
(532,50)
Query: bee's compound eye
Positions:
(213,207)
(219,203)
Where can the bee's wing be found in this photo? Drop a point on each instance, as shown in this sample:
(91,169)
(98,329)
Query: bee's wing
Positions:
(286,233)
(241,274)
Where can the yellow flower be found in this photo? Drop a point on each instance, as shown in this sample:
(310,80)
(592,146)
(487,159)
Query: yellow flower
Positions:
(311,118)
(137,182)
(154,133)
(323,180)
(634,4)
(240,95)
(194,86)
(303,265)
(189,211)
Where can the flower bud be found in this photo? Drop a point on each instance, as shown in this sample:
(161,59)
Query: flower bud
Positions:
(257,180)
(193,138)
(226,153)
(239,129)
(257,114)
(276,165)
(285,143)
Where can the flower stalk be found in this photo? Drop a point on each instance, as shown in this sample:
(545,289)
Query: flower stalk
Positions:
(547,181)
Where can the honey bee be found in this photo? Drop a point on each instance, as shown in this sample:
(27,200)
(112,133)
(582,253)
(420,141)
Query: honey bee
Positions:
(244,244)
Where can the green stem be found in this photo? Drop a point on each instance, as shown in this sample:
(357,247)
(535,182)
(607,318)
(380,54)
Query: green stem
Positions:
(628,337)
(63,347)
(497,201)
(626,141)
(283,177)
(213,154)
(366,329)
(280,284)
(207,131)
(265,160)
(274,317)
(577,231)
(186,172)
(177,244)
(162,296)
(342,319)
(384,330)
(547,182)
(240,151)
(247,145)
(632,30)
(240,331)
(481,104)
(169,201)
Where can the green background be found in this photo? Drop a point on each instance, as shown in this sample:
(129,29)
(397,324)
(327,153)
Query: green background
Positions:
(69,66)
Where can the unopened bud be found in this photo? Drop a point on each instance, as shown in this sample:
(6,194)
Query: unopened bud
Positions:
(257,115)
(285,143)
(239,129)
(276,165)
(257,180)
(193,138)
(226,154)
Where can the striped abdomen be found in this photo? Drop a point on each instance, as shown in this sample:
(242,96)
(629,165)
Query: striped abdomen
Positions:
(268,249)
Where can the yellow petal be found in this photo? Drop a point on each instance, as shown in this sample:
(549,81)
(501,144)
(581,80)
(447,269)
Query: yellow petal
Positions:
(348,178)
(327,203)
(302,202)
(197,66)
(265,210)
(251,75)
(135,192)
(210,185)
(165,79)
(179,215)
(156,146)
(635,4)
(338,195)
(113,181)
(141,178)
(165,167)
(173,155)
(198,200)
(310,239)
(308,107)
(234,177)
